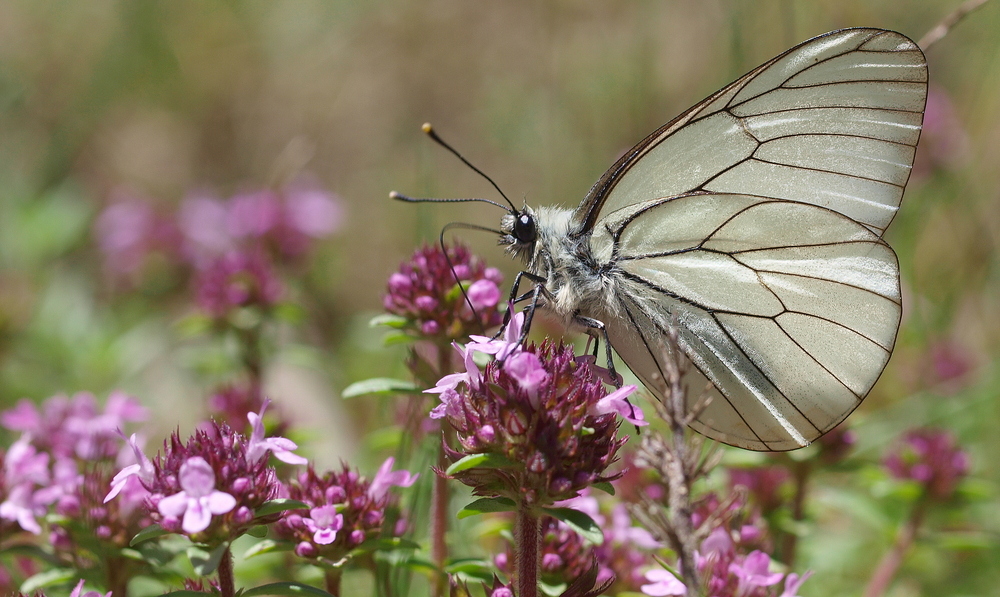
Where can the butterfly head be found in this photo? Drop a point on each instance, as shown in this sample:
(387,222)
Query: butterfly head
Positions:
(519,232)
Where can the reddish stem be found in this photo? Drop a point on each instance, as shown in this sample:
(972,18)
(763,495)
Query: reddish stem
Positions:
(441,494)
(892,560)
(332,578)
(527,539)
(226,584)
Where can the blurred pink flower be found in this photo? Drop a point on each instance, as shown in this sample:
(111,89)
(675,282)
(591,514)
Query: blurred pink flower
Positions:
(128,230)
(944,142)
(662,584)
(237,279)
(202,221)
(932,458)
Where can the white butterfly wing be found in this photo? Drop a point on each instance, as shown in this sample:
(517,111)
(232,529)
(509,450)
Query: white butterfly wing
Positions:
(790,309)
(832,122)
(753,223)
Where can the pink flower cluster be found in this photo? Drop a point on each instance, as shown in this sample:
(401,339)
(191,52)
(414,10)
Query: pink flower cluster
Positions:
(539,407)
(345,510)
(209,486)
(425,291)
(726,572)
(230,245)
(283,222)
(932,458)
(43,467)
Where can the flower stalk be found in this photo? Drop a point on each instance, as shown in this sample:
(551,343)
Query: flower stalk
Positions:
(527,538)
(893,559)
(227,584)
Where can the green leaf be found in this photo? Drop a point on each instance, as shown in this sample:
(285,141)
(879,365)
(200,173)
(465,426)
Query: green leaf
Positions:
(605,486)
(56,576)
(483,505)
(268,546)
(479,461)
(279,505)
(552,590)
(193,325)
(396,338)
(206,562)
(419,564)
(290,313)
(471,566)
(964,540)
(583,524)
(151,532)
(259,531)
(379,385)
(285,588)
(387,319)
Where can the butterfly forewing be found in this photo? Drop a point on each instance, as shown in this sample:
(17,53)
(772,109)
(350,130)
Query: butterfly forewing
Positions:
(832,122)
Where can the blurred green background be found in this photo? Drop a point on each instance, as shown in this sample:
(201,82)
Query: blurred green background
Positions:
(165,98)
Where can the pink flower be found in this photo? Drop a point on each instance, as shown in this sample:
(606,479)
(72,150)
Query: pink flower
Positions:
(663,584)
(324,524)
(617,402)
(753,572)
(793,582)
(253,214)
(202,220)
(199,499)
(386,477)
(24,469)
(526,369)
(313,212)
(142,469)
(505,347)
(258,445)
(483,294)
(78,592)
(471,376)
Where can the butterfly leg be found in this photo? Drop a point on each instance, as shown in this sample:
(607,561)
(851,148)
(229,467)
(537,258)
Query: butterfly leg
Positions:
(513,299)
(597,329)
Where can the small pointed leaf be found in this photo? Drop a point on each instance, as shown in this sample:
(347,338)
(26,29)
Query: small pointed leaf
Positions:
(580,522)
(483,505)
(379,385)
(151,532)
(479,461)
(279,505)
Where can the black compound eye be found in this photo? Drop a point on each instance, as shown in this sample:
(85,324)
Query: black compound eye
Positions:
(524,228)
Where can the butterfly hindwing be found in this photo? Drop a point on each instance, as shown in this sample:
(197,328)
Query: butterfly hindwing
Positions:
(790,309)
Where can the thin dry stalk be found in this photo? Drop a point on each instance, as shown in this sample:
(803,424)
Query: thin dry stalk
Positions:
(941,29)
(680,462)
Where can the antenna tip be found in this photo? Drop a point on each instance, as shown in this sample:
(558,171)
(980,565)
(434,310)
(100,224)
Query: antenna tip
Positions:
(427,128)
(394,195)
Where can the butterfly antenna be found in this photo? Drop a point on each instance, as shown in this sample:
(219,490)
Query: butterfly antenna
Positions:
(451,266)
(427,128)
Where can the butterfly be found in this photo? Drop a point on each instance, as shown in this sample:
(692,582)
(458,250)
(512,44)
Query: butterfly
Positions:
(751,225)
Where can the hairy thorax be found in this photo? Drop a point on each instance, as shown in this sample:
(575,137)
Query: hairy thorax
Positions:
(574,281)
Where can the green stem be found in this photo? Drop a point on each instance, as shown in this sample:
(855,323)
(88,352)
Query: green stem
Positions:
(892,560)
